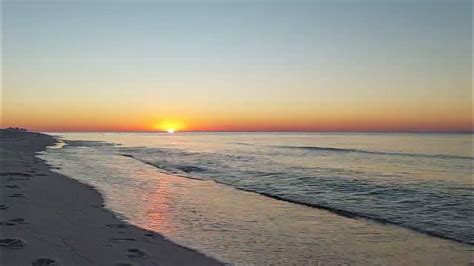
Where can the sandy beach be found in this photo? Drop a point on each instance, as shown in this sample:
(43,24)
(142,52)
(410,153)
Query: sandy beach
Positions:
(49,219)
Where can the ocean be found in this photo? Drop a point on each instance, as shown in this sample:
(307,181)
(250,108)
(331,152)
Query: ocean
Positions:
(277,198)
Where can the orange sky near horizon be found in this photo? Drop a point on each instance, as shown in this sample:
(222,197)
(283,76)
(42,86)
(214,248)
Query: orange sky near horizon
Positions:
(370,118)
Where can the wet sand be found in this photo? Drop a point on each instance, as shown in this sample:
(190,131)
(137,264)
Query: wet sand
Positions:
(47,218)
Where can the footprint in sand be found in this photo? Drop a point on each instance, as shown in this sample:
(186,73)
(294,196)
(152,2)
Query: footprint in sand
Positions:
(12,243)
(150,235)
(17,195)
(18,220)
(15,174)
(117,225)
(44,262)
(18,178)
(12,222)
(135,253)
(122,239)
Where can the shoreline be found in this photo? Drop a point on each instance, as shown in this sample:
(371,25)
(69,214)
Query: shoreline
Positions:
(47,217)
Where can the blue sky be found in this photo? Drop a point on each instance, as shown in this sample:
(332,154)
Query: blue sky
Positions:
(203,58)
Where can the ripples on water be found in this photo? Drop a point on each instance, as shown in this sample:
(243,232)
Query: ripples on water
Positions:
(433,205)
(421,182)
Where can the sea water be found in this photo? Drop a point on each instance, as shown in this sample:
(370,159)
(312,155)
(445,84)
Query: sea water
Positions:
(254,198)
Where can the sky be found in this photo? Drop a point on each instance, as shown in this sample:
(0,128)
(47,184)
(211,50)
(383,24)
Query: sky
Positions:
(237,65)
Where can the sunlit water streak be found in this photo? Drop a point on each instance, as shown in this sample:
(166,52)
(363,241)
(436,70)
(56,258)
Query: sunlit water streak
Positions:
(417,181)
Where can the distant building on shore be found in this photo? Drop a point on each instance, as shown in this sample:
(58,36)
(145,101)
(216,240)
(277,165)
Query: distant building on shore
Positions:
(18,129)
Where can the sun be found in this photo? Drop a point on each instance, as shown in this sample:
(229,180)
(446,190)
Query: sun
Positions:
(169,125)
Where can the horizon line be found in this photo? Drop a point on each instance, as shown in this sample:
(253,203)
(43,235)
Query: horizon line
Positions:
(248,131)
(258,131)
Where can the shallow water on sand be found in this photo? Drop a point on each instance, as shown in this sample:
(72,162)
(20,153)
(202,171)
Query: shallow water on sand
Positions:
(416,181)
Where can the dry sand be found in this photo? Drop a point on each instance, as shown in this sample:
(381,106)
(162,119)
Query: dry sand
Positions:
(49,219)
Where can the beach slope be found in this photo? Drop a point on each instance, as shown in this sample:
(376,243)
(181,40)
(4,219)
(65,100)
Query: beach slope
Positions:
(46,217)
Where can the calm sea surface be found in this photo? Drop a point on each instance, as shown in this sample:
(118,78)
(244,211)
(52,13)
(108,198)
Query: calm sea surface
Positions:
(256,198)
